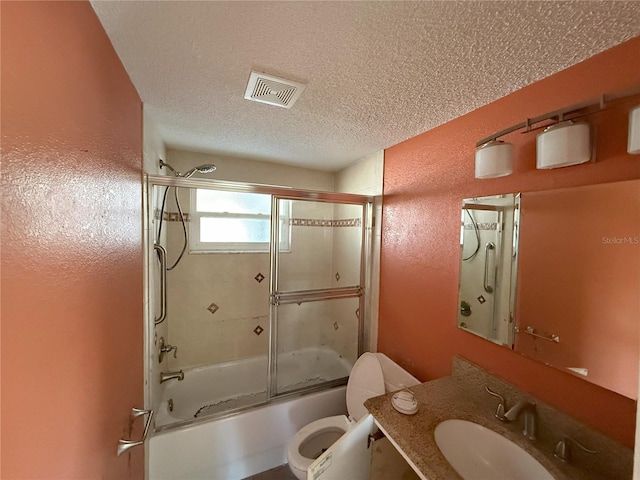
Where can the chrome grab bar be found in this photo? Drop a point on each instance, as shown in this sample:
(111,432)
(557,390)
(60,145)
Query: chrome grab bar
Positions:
(124,445)
(490,246)
(551,338)
(162,256)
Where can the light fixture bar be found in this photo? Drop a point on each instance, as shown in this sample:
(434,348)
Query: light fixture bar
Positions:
(601,103)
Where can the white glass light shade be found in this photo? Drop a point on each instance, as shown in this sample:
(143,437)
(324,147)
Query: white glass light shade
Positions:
(633,145)
(494,159)
(562,145)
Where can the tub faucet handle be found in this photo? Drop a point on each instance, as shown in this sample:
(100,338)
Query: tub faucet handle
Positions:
(166,348)
(174,348)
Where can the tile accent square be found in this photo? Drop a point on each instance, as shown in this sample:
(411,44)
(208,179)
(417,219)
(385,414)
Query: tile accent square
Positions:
(258,330)
(335,325)
(481,299)
(337,276)
(259,277)
(213,308)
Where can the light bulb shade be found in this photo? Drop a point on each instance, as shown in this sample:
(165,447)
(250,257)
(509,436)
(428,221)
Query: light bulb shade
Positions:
(562,145)
(494,159)
(633,145)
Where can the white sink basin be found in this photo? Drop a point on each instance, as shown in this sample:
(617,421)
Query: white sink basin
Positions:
(477,453)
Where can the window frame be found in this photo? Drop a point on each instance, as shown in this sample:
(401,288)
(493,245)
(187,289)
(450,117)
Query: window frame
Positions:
(197,247)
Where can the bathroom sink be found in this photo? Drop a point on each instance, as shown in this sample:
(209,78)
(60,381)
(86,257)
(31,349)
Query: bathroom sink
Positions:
(477,453)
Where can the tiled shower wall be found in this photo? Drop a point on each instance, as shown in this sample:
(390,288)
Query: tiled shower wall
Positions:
(228,319)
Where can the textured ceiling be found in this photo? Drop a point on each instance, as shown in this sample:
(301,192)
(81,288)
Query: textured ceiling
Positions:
(377,72)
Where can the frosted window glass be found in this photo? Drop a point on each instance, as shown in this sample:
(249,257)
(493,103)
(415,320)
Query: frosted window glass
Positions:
(231,230)
(232,202)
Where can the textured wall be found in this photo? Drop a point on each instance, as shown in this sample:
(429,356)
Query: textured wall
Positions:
(71,246)
(425,179)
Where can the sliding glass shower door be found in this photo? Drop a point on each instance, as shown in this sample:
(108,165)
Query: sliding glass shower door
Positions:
(316,292)
(264,293)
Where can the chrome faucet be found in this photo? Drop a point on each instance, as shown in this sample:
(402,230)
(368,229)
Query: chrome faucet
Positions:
(512,414)
(166,376)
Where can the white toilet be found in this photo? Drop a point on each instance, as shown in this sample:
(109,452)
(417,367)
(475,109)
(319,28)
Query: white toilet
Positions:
(372,375)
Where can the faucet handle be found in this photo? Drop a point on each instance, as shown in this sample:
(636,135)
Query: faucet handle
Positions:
(500,408)
(563,448)
(165,348)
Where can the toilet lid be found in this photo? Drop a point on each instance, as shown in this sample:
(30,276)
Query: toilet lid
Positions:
(365,381)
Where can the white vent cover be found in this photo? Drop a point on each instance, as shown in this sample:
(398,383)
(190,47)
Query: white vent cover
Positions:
(273,90)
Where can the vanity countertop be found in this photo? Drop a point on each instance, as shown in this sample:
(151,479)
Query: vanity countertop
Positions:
(454,397)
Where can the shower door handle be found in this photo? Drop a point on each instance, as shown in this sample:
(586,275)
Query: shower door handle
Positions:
(124,445)
(162,256)
(490,246)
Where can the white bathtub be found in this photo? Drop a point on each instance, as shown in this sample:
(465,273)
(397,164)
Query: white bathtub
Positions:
(235,447)
(214,389)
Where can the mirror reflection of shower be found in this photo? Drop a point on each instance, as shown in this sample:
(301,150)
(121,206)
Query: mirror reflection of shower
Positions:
(477,235)
(488,249)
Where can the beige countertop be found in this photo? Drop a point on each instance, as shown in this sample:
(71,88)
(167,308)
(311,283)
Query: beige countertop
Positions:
(454,397)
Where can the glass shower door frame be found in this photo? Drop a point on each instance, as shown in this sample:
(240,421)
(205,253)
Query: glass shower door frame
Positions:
(283,297)
(277,193)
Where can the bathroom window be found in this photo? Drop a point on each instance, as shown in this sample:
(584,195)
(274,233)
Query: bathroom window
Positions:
(234,222)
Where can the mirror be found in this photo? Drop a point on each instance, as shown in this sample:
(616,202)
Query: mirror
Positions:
(487,266)
(577,294)
(579,282)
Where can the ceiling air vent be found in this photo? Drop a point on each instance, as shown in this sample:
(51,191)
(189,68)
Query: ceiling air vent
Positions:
(273,90)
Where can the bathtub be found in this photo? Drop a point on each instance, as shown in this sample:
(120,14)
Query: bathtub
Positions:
(241,445)
(215,389)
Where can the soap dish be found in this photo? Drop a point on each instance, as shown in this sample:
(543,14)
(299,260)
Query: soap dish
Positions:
(404,402)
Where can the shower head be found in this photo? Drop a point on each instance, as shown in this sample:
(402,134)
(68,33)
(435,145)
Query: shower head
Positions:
(207,168)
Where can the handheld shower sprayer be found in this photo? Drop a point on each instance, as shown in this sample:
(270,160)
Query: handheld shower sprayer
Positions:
(206,168)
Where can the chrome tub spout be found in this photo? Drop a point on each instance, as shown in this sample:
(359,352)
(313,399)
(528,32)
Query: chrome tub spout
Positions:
(166,376)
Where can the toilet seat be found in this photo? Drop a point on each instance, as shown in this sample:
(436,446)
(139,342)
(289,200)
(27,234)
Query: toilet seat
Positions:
(365,381)
(295,458)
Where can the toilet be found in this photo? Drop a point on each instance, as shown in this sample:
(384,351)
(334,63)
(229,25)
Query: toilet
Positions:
(372,375)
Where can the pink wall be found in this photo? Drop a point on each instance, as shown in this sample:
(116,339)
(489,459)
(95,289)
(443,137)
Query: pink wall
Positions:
(426,178)
(71,246)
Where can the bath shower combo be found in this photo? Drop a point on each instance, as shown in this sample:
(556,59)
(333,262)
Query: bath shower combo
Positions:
(316,306)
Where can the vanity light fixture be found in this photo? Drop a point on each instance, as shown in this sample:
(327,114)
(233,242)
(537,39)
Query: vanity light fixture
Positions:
(563,142)
(634,131)
(494,159)
(562,145)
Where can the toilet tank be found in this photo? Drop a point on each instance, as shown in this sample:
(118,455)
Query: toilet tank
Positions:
(395,377)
